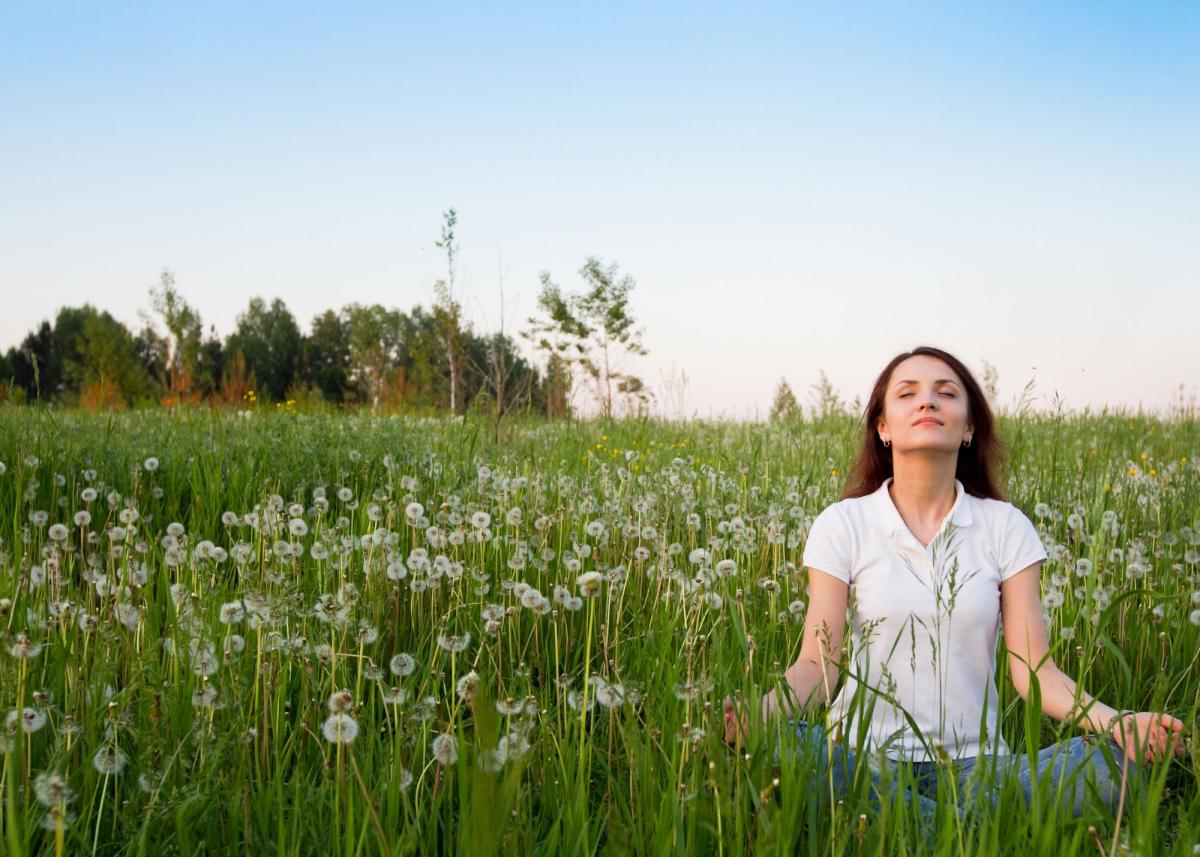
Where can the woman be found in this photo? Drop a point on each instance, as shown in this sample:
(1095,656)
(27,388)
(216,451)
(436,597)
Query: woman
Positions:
(933,558)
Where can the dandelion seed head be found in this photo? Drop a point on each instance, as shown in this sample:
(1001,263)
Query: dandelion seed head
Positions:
(340,729)
(109,760)
(445,750)
(51,789)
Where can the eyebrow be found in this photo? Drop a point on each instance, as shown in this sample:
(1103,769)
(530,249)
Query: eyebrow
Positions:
(938,381)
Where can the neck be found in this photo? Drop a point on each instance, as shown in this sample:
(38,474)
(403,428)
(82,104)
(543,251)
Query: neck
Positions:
(923,485)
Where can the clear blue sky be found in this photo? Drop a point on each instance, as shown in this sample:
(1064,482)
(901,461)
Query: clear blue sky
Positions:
(794,187)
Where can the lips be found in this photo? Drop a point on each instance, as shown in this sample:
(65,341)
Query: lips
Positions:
(928,421)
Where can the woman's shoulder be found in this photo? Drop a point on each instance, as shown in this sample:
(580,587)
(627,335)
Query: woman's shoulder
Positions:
(849,511)
(995,509)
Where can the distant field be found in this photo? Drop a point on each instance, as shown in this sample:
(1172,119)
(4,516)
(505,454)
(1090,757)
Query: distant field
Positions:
(291,634)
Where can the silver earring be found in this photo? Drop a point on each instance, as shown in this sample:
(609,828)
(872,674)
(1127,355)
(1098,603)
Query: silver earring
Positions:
(887,443)
(967,442)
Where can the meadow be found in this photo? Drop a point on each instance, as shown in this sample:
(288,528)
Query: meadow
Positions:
(286,633)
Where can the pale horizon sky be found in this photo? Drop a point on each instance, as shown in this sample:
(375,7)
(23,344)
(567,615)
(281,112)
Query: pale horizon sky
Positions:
(795,188)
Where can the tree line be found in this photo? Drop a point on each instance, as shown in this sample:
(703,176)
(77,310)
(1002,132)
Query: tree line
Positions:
(428,359)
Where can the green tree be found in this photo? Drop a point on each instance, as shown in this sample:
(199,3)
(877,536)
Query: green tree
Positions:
(269,340)
(447,312)
(104,366)
(34,368)
(594,329)
(826,399)
(374,340)
(784,405)
(326,356)
(184,329)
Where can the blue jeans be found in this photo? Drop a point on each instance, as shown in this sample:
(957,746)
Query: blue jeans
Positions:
(1075,767)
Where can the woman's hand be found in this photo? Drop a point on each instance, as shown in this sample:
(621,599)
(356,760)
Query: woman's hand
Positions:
(737,723)
(1158,736)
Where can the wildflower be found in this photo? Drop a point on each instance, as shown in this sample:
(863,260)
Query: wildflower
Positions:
(109,760)
(575,699)
(1052,600)
(340,729)
(509,707)
(406,779)
(403,665)
(58,532)
(22,648)
(726,568)
(345,494)
(205,696)
(699,556)
(413,511)
(589,582)
(445,750)
(481,520)
(205,663)
(455,643)
(467,686)
(151,464)
(394,696)
(493,760)
(297,527)
(231,613)
(1195,617)
(594,529)
(367,633)
(82,518)
(686,692)
(609,695)
(31,720)
(51,789)
(340,701)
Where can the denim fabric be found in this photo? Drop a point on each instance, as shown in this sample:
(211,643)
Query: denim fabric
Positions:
(1075,768)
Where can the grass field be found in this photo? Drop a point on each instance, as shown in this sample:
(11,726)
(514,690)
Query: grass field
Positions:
(285,634)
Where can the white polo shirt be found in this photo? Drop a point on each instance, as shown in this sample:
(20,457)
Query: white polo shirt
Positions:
(923,621)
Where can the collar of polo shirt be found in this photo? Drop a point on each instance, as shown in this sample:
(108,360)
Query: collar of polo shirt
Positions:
(893,524)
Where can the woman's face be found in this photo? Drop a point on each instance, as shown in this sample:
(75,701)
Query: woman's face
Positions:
(924,407)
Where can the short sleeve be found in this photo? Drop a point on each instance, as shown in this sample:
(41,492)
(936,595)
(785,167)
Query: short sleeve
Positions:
(1020,545)
(829,545)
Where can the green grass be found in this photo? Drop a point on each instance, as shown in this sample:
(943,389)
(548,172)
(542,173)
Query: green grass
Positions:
(249,770)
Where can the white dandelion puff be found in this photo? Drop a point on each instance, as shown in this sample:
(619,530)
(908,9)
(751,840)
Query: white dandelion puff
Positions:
(589,582)
(51,789)
(109,760)
(403,664)
(340,729)
(445,750)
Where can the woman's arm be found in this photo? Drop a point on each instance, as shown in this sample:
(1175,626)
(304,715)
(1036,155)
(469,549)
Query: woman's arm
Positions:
(1029,655)
(811,679)
(813,676)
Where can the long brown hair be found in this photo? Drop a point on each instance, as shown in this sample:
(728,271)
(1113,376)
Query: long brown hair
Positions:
(977,463)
